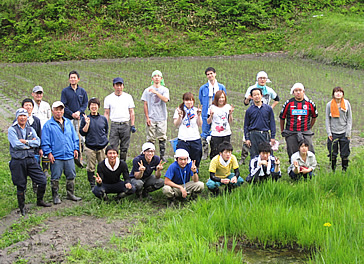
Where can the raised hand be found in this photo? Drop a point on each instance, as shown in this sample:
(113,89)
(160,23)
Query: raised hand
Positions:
(160,165)
(199,110)
(231,110)
(98,178)
(87,119)
(193,167)
(141,166)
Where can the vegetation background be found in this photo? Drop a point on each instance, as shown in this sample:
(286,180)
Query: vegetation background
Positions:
(54,30)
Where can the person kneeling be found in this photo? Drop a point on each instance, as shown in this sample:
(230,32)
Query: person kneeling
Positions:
(143,167)
(177,182)
(108,176)
(220,170)
(264,165)
(303,162)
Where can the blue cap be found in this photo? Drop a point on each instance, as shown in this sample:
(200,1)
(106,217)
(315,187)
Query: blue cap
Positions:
(118,80)
(21,111)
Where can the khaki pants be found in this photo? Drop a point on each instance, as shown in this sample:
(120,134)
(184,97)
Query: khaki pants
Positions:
(191,187)
(157,130)
(93,156)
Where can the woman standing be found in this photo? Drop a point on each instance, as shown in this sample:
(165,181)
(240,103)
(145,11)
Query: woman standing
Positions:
(220,116)
(188,118)
(338,128)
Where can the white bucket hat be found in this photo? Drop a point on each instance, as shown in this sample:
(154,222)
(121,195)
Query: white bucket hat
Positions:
(182,153)
(263,74)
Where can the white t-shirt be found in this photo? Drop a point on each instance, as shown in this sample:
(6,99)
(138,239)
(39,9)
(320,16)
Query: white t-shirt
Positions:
(119,106)
(157,109)
(220,126)
(188,133)
(42,111)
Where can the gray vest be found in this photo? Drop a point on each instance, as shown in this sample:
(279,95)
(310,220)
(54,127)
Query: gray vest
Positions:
(22,153)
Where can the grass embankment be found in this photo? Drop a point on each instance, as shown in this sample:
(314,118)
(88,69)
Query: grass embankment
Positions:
(281,214)
(52,31)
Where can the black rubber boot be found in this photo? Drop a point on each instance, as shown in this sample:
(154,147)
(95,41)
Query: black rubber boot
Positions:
(35,187)
(21,202)
(123,154)
(70,187)
(91,179)
(345,164)
(205,148)
(40,195)
(55,188)
(333,164)
(215,191)
(162,150)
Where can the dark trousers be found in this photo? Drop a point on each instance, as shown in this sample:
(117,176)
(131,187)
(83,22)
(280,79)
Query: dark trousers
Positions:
(298,176)
(120,133)
(214,144)
(333,146)
(257,137)
(292,144)
(118,187)
(193,147)
(21,168)
(149,184)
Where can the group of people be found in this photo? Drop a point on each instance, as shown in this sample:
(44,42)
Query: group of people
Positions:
(41,135)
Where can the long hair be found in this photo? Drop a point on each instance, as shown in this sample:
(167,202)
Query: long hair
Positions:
(186,96)
(217,97)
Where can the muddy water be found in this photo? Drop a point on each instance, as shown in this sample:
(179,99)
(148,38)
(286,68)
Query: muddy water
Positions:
(263,256)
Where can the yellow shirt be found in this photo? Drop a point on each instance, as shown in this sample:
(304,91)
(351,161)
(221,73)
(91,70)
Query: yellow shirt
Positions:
(220,170)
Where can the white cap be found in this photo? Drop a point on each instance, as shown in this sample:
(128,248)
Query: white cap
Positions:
(146,146)
(57,104)
(182,153)
(297,85)
(264,75)
(21,111)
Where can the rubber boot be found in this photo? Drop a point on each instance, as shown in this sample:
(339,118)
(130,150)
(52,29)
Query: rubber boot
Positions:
(205,148)
(21,202)
(162,150)
(55,188)
(345,164)
(244,154)
(215,191)
(70,187)
(333,164)
(91,179)
(40,195)
(35,187)
(45,166)
(123,154)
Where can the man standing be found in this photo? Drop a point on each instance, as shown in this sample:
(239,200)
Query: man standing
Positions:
(143,167)
(177,182)
(206,96)
(75,102)
(301,115)
(108,176)
(23,139)
(60,144)
(155,98)
(42,110)
(259,119)
(119,107)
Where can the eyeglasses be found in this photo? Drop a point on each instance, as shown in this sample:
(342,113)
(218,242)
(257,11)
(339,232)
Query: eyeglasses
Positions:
(39,92)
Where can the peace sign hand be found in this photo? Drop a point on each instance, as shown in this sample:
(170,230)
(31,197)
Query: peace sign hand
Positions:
(141,166)
(199,110)
(231,110)
(87,119)
(160,165)
(193,167)
(98,178)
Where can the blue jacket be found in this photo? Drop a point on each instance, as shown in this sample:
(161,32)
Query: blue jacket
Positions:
(96,136)
(60,144)
(74,101)
(203,96)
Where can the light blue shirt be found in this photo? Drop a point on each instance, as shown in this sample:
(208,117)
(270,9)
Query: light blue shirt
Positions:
(15,142)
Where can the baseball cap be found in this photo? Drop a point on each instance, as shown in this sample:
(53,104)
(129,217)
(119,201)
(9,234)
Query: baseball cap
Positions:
(37,89)
(21,111)
(57,104)
(118,80)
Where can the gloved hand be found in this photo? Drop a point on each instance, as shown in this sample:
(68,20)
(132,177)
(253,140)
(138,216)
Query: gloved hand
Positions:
(133,129)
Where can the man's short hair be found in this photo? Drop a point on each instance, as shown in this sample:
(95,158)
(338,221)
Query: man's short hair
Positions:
(303,142)
(74,72)
(110,147)
(93,100)
(256,89)
(225,146)
(210,69)
(27,100)
(264,147)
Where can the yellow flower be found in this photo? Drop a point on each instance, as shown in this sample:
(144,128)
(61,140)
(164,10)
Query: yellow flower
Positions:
(327,224)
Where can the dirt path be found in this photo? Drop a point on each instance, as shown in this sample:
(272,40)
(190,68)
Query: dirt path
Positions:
(51,241)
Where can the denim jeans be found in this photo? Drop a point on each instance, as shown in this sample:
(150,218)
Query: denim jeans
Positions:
(66,166)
